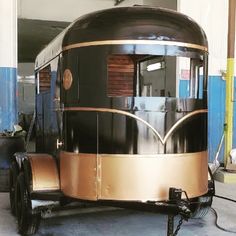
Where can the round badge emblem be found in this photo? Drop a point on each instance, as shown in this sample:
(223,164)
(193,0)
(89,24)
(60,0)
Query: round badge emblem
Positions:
(67,79)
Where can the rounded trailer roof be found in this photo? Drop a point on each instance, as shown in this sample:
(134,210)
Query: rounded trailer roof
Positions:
(127,25)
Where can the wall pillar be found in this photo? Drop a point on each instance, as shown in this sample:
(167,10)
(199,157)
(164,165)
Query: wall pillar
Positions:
(8,64)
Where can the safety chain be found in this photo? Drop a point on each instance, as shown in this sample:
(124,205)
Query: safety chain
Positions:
(178,226)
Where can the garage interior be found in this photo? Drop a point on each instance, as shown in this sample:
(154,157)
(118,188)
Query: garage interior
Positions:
(38,23)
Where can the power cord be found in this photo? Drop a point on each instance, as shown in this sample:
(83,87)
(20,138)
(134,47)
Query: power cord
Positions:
(216,215)
(218,226)
(225,198)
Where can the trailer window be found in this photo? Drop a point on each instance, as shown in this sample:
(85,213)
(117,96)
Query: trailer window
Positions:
(44,79)
(120,76)
(154,76)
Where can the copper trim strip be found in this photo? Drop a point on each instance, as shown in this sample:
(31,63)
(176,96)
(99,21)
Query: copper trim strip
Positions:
(181,120)
(93,109)
(135,42)
(163,141)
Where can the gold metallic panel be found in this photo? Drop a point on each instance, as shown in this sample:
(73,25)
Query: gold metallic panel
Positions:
(132,177)
(148,178)
(44,172)
(79,175)
(157,135)
(135,42)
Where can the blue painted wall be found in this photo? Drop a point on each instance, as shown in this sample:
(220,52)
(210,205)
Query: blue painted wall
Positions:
(216,113)
(8,103)
(183,88)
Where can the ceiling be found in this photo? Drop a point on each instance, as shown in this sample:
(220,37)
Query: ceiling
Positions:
(34,35)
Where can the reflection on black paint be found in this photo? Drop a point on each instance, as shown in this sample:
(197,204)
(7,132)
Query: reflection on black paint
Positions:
(119,134)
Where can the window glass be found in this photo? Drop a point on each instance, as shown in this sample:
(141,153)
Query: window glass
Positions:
(44,78)
(121,76)
(154,76)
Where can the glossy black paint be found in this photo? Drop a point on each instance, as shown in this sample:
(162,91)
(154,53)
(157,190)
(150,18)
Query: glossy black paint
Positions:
(91,132)
(135,23)
(104,132)
(95,132)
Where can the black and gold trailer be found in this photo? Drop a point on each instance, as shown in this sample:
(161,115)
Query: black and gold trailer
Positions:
(121,117)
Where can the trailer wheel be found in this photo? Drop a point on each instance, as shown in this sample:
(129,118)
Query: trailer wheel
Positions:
(13,173)
(203,204)
(202,207)
(28,222)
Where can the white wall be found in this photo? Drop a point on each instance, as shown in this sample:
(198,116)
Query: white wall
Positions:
(212,15)
(8,33)
(64,10)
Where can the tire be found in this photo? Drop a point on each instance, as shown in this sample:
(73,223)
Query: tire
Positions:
(202,204)
(28,222)
(13,173)
(202,207)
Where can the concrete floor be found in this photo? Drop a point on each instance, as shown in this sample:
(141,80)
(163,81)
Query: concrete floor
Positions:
(109,222)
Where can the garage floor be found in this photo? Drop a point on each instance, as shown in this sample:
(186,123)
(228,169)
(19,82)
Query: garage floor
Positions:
(110,221)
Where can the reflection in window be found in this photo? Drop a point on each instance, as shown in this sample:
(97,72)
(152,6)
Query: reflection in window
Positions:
(121,72)
(154,76)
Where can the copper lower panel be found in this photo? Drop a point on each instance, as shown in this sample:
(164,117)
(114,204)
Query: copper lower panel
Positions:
(44,172)
(149,178)
(132,177)
(79,175)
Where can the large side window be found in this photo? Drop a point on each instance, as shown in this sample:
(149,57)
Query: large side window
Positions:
(154,76)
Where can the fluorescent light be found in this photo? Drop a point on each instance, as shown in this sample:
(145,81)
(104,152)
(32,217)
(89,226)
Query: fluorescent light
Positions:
(155,66)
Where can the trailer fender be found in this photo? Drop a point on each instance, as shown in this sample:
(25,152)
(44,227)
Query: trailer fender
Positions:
(41,173)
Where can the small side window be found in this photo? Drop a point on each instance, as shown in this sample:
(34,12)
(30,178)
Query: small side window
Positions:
(44,79)
(121,72)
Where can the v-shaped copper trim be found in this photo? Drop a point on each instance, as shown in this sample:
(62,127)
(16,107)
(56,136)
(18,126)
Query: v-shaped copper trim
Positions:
(116,111)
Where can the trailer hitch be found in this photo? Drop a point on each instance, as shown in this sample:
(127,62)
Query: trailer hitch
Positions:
(182,207)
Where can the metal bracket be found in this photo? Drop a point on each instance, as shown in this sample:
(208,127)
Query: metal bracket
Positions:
(183,210)
(170,225)
(59,143)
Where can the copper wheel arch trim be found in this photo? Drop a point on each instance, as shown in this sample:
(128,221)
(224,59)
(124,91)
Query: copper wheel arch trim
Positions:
(45,174)
(163,140)
(135,42)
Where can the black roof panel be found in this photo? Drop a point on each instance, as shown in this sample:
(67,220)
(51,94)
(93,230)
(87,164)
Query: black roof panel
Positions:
(136,23)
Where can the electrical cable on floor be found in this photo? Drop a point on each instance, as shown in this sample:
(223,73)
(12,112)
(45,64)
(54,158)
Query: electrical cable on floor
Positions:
(225,198)
(218,226)
(216,215)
